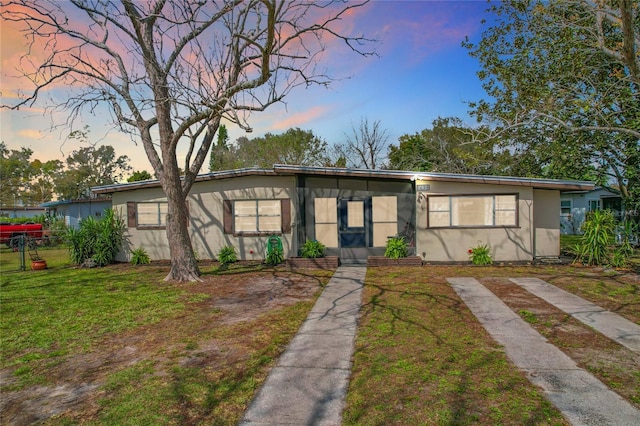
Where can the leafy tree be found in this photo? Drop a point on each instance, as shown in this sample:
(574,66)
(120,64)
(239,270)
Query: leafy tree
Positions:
(563,80)
(295,146)
(448,147)
(44,176)
(364,147)
(220,151)
(170,70)
(15,175)
(90,166)
(138,176)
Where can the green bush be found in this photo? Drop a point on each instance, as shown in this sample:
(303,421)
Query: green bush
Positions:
(312,249)
(98,240)
(396,248)
(227,255)
(140,256)
(275,256)
(624,250)
(597,237)
(480,255)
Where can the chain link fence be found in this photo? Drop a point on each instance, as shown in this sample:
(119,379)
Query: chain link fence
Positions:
(21,250)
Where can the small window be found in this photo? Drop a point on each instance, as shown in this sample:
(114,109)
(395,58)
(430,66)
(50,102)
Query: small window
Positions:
(385,219)
(594,205)
(256,217)
(151,214)
(565,207)
(326,221)
(473,211)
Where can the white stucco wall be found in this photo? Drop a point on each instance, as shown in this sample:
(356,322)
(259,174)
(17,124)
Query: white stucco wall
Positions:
(506,243)
(206,217)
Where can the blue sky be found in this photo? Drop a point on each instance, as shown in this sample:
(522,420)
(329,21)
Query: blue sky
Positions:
(422,72)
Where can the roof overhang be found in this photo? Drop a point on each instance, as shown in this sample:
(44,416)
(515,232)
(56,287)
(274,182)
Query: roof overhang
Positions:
(288,170)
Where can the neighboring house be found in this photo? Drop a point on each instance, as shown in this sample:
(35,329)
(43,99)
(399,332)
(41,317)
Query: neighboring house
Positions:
(22,211)
(73,211)
(574,206)
(352,212)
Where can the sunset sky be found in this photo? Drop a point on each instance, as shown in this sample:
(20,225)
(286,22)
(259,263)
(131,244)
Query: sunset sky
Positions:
(421,73)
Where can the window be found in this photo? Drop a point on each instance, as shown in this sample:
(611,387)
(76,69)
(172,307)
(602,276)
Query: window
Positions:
(149,215)
(326,221)
(473,211)
(594,205)
(384,212)
(257,216)
(565,207)
(152,215)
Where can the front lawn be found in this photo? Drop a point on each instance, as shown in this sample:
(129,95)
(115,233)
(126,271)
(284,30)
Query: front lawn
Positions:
(422,358)
(118,345)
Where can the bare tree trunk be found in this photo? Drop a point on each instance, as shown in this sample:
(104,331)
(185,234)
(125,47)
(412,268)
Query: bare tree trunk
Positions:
(184,266)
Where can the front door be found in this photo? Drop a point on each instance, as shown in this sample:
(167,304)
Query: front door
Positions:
(352,230)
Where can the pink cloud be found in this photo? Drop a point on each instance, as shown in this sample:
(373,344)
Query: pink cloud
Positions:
(301,118)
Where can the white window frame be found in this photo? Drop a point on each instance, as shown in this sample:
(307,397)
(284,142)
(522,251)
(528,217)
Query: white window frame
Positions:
(570,201)
(161,214)
(256,213)
(449,201)
(597,201)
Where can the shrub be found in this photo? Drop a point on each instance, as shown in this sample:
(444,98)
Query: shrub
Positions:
(598,233)
(227,255)
(275,256)
(98,240)
(396,248)
(624,250)
(140,256)
(312,249)
(480,255)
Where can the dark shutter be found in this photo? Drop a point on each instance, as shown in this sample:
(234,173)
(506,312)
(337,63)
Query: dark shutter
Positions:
(228,216)
(131,215)
(285,214)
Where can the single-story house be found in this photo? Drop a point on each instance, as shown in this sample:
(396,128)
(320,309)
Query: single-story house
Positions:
(575,204)
(73,211)
(28,212)
(352,212)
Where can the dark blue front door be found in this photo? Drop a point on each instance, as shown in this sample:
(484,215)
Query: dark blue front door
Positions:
(352,224)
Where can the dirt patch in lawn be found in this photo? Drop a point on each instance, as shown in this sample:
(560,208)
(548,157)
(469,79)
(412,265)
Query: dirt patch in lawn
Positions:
(219,329)
(614,364)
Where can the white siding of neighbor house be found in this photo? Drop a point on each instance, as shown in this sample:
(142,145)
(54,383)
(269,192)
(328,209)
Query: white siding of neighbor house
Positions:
(506,243)
(206,214)
(570,224)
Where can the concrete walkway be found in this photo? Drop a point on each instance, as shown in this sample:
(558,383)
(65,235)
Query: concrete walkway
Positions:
(582,398)
(309,384)
(611,325)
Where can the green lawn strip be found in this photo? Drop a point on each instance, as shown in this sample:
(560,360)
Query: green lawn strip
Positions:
(63,310)
(612,291)
(568,243)
(213,392)
(422,358)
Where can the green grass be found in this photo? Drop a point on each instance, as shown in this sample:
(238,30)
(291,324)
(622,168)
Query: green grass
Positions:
(64,309)
(569,242)
(422,358)
(51,318)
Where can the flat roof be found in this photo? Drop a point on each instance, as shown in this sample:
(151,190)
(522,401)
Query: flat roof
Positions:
(289,170)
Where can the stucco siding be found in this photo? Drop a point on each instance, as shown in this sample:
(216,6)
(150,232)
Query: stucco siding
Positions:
(514,243)
(546,223)
(205,203)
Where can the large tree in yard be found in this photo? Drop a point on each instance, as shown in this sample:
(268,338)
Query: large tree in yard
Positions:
(564,85)
(171,70)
